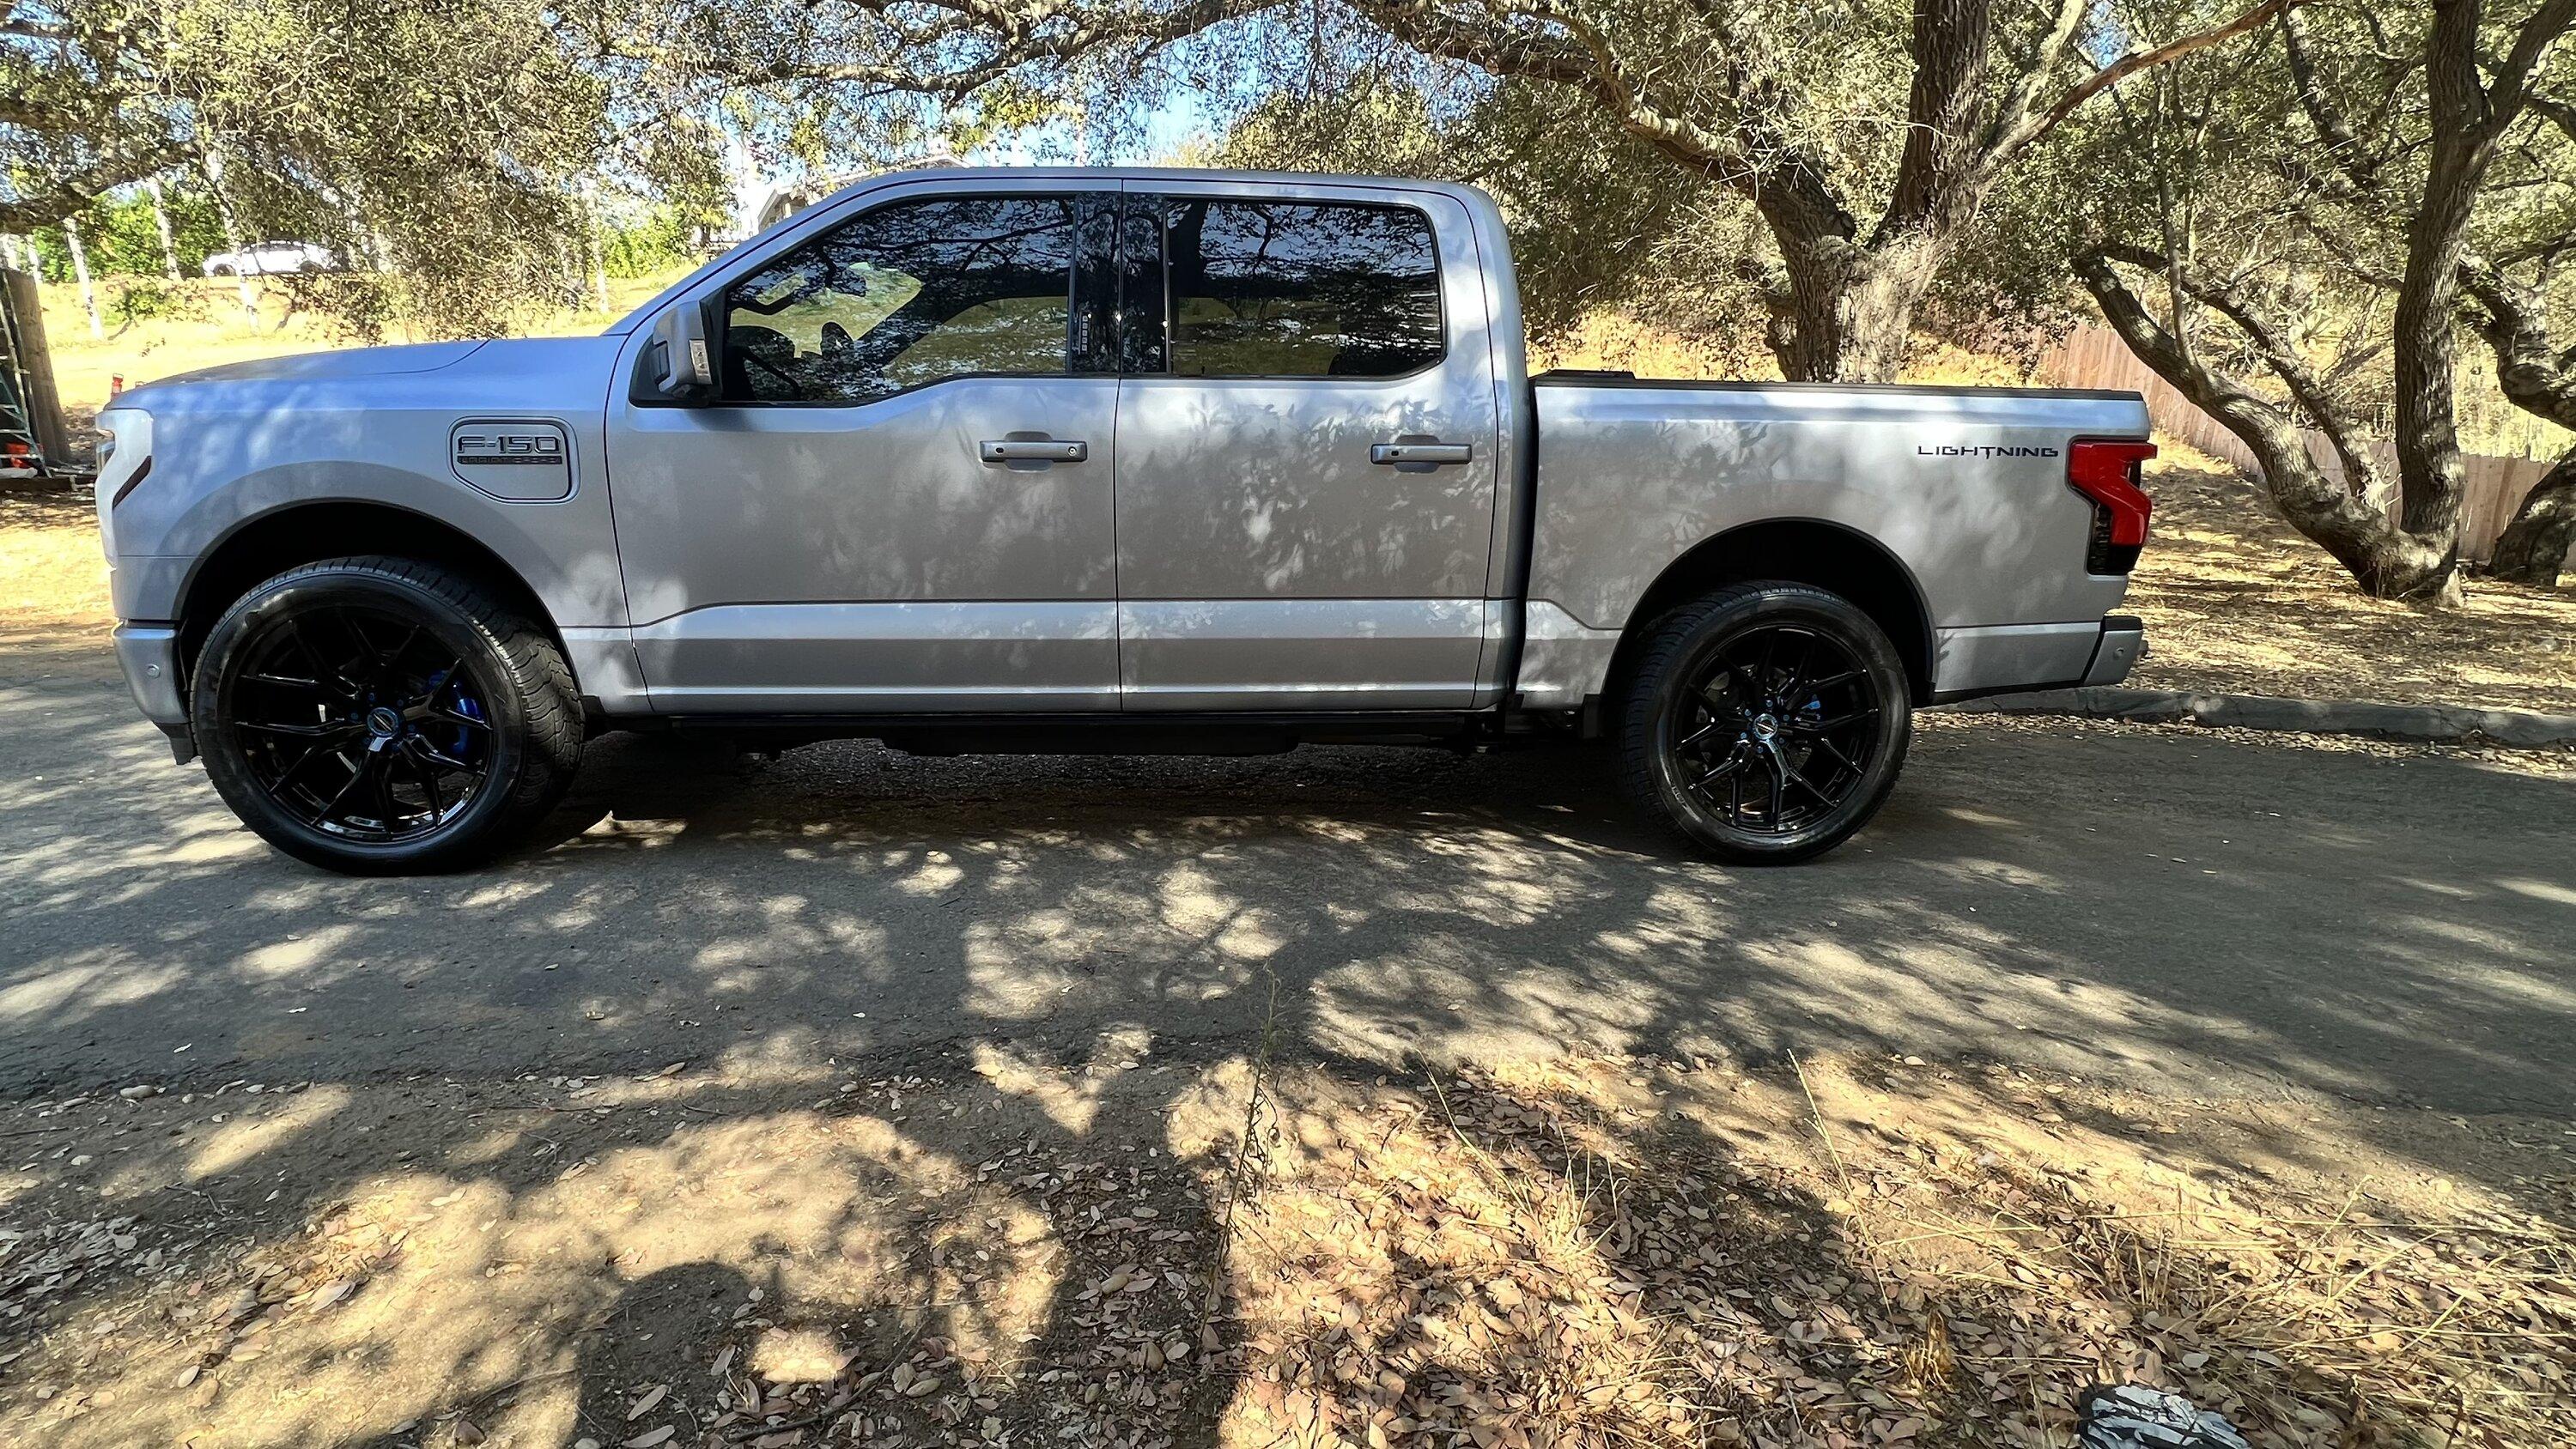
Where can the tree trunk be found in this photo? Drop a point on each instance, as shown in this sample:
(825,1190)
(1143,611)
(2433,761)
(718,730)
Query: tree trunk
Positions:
(1849,316)
(80,271)
(2534,548)
(214,168)
(161,219)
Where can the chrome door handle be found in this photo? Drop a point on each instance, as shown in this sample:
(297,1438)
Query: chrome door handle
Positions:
(1420,453)
(1032,450)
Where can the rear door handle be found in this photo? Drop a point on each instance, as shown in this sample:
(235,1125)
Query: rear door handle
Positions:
(1028,450)
(1420,453)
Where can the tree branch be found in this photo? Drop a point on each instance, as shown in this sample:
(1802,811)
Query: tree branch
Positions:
(69,193)
(2383,559)
(2341,146)
(1944,111)
(2031,128)
(2533,373)
(2314,396)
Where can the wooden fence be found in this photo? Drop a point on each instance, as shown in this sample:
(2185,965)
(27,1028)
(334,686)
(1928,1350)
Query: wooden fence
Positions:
(2096,357)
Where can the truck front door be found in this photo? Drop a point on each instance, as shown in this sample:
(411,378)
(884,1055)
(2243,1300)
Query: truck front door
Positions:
(1307,436)
(901,501)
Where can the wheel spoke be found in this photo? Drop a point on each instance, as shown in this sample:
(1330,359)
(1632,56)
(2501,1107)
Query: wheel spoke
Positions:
(442,712)
(357,772)
(1779,788)
(1841,721)
(334,730)
(1725,768)
(367,651)
(1839,757)
(334,681)
(443,760)
(428,779)
(381,786)
(1789,692)
(277,787)
(1790,773)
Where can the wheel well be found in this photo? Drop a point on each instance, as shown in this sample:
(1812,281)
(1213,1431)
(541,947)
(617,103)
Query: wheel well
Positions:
(1799,551)
(307,533)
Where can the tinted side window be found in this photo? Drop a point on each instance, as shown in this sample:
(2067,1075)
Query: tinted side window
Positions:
(904,296)
(1295,289)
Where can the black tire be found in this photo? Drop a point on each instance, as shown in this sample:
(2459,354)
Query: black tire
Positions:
(382,716)
(1765,722)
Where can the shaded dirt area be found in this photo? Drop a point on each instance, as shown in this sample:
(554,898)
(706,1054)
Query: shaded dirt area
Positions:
(986,1246)
(2237,602)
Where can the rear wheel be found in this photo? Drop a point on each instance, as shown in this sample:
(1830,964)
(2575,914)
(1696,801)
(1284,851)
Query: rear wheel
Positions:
(1766,722)
(381,716)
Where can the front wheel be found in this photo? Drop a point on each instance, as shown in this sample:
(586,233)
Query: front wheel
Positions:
(1766,722)
(381,716)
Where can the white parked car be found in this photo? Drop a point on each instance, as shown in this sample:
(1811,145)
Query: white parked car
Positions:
(271,259)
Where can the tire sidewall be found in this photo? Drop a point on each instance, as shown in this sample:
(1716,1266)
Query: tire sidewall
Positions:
(1806,608)
(319,587)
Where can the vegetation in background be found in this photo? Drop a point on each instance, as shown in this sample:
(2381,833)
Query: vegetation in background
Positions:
(2256,192)
(2309,218)
(444,152)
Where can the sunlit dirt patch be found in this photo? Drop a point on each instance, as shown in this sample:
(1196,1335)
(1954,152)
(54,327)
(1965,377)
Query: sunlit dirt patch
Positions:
(2235,601)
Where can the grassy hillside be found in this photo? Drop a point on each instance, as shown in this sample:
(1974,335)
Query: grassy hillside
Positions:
(210,329)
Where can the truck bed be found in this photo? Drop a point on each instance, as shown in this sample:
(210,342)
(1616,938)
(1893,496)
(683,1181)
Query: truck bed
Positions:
(1965,488)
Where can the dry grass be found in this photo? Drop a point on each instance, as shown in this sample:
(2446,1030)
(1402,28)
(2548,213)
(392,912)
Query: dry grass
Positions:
(1584,1253)
(2236,601)
(53,577)
(212,330)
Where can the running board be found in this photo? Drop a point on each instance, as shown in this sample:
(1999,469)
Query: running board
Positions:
(1092,734)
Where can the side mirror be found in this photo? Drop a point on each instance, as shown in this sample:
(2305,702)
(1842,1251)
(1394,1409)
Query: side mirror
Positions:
(688,363)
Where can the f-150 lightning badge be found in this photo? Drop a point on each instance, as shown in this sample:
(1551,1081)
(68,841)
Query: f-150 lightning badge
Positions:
(523,460)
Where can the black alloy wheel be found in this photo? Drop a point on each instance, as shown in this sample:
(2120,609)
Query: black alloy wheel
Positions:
(1767,722)
(379,716)
(361,724)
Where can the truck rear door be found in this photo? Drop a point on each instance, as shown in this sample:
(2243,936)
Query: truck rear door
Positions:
(1306,443)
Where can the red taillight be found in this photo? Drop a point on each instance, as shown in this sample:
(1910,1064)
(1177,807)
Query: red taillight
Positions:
(2106,471)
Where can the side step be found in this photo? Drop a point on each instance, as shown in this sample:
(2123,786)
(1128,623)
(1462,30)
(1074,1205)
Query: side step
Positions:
(1095,734)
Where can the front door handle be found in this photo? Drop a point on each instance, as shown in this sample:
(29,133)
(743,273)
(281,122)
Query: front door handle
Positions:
(1399,454)
(1032,450)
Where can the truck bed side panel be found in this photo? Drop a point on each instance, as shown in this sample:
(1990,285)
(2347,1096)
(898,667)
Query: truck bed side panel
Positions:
(1965,488)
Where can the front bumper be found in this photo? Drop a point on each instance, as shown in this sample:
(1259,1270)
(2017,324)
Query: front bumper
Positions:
(149,655)
(2123,644)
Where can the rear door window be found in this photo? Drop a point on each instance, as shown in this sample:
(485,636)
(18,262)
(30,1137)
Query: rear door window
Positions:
(1300,289)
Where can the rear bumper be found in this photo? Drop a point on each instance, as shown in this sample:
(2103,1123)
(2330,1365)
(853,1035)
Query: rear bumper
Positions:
(149,655)
(2123,644)
(2013,659)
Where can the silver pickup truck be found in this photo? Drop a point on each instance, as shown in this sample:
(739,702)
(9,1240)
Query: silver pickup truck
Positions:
(1068,460)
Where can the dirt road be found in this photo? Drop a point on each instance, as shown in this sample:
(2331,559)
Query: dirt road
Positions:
(2171,907)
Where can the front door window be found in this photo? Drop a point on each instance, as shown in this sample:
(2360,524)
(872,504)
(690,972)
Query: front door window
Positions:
(906,296)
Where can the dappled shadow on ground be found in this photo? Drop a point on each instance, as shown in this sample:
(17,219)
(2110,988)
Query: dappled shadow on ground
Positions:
(2176,905)
(2194,912)
(993,1246)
